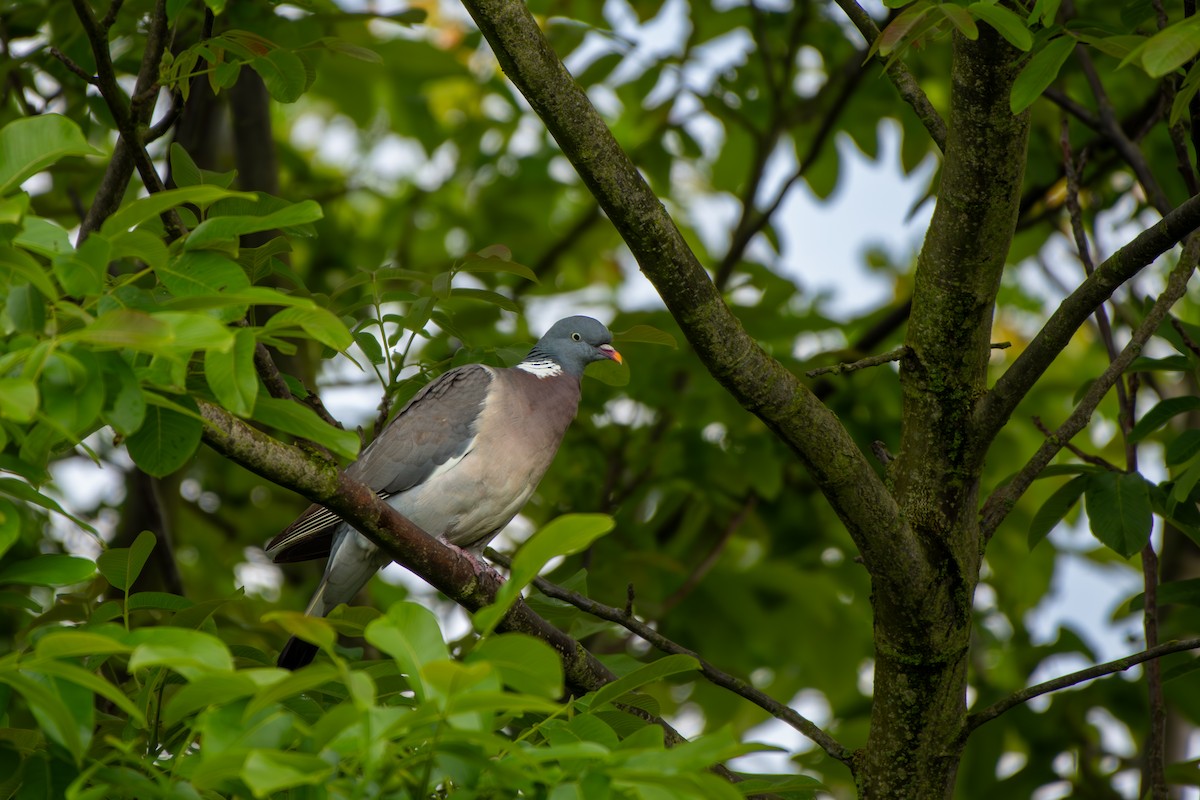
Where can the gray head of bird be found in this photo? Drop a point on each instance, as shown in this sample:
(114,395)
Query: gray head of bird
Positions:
(573,343)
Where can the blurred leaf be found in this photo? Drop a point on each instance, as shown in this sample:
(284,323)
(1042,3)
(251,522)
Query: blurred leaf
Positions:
(646,674)
(48,570)
(645,334)
(121,566)
(1118,508)
(31,144)
(1053,510)
(1158,416)
(283,74)
(220,229)
(563,536)
(167,439)
(190,653)
(410,634)
(1039,72)
(270,771)
(19,399)
(301,421)
(525,664)
(232,376)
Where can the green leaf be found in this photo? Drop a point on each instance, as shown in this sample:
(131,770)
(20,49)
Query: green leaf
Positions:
(92,682)
(1118,508)
(125,328)
(10,525)
(1055,508)
(1172,47)
(302,680)
(961,19)
(73,644)
(81,272)
(145,208)
(310,629)
(410,634)
(167,439)
(23,491)
(487,296)
(183,169)
(31,144)
(646,674)
(222,229)
(190,653)
(478,262)
(231,375)
(562,536)
(121,566)
(27,310)
(19,399)
(525,664)
(1183,447)
(53,715)
(646,334)
(319,324)
(125,405)
(1041,70)
(48,570)
(269,771)
(202,273)
(352,50)
(141,245)
(1156,417)
(892,36)
(1006,23)
(300,420)
(1185,592)
(43,237)
(21,263)
(283,74)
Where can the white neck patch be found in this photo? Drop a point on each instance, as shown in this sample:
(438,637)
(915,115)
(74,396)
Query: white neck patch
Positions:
(542,368)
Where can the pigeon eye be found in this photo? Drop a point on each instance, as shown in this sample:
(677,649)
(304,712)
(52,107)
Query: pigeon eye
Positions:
(576,336)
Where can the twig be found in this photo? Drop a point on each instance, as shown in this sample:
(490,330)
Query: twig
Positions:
(1082,455)
(710,559)
(1154,763)
(901,77)
(70,64)
(1113,131)
(1077,110)
(716,676)
(163,126)
(870,361)
(1188,341)
(1074,678)
(1002,500)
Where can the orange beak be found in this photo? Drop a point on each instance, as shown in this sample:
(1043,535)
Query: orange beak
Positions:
(611,352)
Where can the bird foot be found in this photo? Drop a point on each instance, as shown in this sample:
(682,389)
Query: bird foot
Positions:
(477,563)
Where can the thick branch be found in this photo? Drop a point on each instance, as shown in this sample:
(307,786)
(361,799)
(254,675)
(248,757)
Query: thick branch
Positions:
(716,676)
(995,409)
(760,383)
(1002,500)
(1075,678)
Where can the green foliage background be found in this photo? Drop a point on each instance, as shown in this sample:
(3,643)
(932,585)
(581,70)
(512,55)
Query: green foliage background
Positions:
(135,666)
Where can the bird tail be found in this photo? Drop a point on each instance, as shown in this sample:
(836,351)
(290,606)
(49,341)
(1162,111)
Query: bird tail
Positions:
(296,653)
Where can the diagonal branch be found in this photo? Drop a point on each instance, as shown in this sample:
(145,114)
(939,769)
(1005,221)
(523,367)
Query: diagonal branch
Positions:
(1075,678)
(998,405)
(760,383)
(716,676)
(1002,500)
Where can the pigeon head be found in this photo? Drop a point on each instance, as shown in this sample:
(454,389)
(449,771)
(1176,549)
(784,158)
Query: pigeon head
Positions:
(571,344)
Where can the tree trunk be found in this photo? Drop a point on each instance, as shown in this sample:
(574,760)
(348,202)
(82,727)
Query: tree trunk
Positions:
(922,629)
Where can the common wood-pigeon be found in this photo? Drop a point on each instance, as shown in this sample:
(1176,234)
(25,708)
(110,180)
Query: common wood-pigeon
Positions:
(459,460)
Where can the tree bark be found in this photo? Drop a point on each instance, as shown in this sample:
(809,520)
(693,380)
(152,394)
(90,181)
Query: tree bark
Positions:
(922,627)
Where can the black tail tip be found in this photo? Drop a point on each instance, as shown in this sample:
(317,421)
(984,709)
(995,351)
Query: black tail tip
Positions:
(296,653)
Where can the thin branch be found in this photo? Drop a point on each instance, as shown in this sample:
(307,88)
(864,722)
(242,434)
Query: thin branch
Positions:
(1077,110)
(997,406)
(1082,455)
(73,67)
(710,559)
(870,361)
(1002,500)
(716,676)
(901,77)
(1188,341)
(1111,127)
(1075,678)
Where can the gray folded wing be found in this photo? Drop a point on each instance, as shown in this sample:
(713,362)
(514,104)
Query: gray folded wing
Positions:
(435,430)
